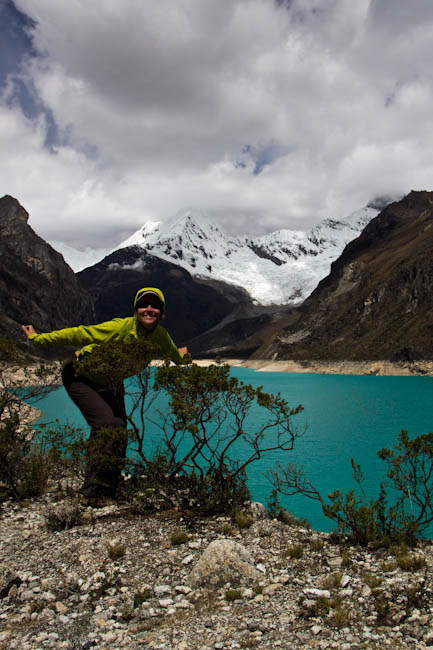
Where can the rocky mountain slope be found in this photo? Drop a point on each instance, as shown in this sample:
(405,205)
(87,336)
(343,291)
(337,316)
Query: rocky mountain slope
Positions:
(377,302)
(277,269)
(36,284)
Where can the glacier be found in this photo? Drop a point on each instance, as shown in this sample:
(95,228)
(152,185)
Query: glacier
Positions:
(280,268)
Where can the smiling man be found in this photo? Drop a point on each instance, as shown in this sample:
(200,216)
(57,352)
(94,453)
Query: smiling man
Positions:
(102,405)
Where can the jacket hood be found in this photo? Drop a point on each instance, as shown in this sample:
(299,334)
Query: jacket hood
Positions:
(154,291)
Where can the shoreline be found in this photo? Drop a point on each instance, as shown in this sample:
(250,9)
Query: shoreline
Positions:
(373,368)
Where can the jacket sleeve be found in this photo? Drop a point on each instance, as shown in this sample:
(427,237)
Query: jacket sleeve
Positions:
(81,335)
(167,346)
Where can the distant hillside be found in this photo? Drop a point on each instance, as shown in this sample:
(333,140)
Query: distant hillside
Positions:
(377,301)
(36,284)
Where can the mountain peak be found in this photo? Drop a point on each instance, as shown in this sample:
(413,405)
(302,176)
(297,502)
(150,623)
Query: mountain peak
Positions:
(35,281)
(274,269)
(12,210)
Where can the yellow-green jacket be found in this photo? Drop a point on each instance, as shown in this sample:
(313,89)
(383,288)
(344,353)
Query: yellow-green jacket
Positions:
(118,329)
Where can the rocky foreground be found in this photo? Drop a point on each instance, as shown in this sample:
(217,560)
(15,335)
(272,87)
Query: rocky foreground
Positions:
(117,579)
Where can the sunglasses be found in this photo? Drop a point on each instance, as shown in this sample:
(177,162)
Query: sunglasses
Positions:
(142,304)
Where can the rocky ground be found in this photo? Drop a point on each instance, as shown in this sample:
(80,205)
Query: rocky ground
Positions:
(117,579)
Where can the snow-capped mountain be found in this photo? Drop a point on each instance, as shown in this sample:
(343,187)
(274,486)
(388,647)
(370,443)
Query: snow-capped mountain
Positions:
(279,268)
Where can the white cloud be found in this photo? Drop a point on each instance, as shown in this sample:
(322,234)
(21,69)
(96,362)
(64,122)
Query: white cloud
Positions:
(161,106)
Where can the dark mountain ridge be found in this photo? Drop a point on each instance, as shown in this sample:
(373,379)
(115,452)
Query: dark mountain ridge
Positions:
(377,301)
(36,284)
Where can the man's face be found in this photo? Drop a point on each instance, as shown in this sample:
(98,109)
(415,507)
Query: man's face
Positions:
(148,313)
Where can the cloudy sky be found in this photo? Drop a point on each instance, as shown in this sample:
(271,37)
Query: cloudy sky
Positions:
(264,114)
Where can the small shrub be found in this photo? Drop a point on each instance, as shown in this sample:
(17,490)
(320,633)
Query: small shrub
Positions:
(24,468)
(333,581)
(411,562)
(336,538)
(418,595)
(243,520)
(345,558)
(178,537)
(127,612)
(371,580)
(116,550)
(148,499)
(389,566)
(35,478)
(227,530)
(320,607)
(273,504)
(398,549)
(381,605)
(63,517)
(290,519)
(232,594)
(317,544)
(206,403)
(141,597)
(341,617)
(294,551)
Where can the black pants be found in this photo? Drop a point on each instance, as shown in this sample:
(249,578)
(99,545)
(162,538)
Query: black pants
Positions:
(104,410)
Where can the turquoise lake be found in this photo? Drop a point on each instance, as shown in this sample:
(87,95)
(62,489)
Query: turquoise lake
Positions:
(344,416)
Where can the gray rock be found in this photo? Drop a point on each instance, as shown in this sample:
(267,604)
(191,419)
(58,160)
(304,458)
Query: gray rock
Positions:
(258,510)
(345,581)
(160,590)
(317,593)
(224,561)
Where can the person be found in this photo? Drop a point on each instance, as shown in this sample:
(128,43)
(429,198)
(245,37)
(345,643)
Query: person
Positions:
(102,404)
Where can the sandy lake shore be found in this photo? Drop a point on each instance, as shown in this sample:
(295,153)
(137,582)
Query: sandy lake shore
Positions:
(379,368)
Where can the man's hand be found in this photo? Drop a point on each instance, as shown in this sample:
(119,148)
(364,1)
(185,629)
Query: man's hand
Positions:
(28,329)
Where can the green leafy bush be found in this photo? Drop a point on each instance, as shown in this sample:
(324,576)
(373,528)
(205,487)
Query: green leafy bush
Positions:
(24,467)
(208,416)
(368,520)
